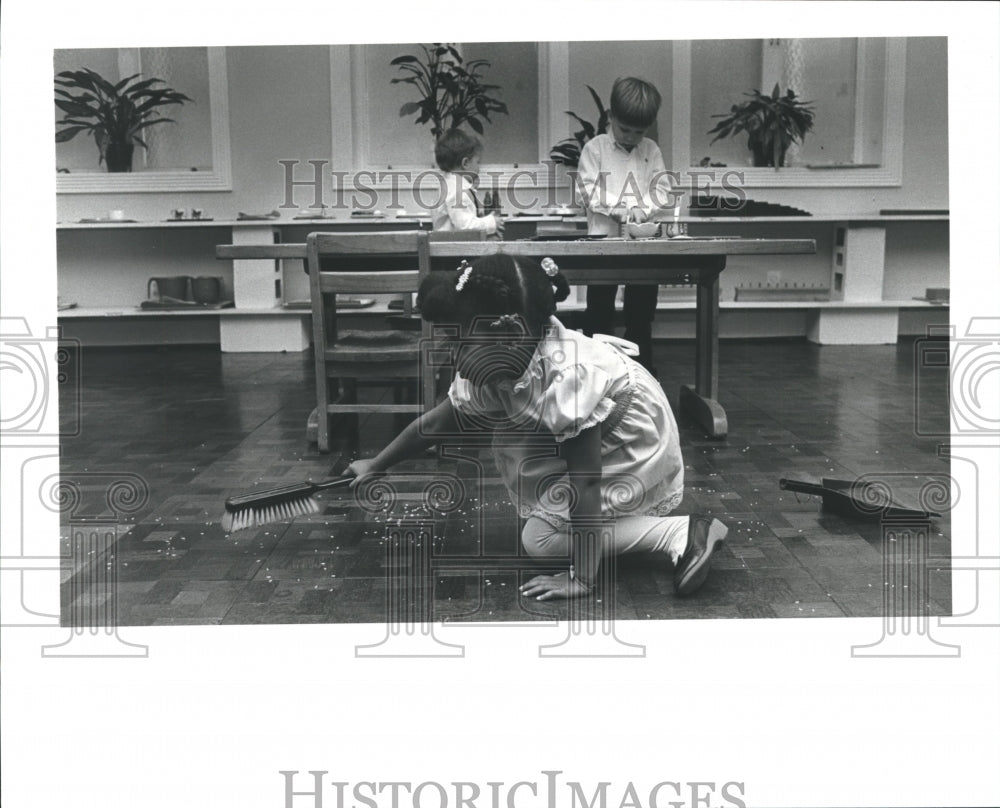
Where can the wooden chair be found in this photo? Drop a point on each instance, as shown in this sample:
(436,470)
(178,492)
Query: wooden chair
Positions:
(358,264)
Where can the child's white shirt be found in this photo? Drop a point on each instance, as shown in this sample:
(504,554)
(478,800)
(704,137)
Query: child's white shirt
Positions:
(572,383)
(612,177)
(456,208)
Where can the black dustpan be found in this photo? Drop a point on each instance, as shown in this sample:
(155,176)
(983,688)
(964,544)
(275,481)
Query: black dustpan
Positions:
(865,500)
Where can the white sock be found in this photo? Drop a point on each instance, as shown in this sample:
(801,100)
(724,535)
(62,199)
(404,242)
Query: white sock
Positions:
(656,534)
(678,537)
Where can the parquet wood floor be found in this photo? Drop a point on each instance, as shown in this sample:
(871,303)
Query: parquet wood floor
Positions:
(198,426)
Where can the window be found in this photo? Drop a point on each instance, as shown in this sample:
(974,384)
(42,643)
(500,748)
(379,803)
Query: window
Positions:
(367,125)
(189,155)
(856,86)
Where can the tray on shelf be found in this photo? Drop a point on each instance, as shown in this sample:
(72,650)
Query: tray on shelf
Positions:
(257,217)
(565,237)
(108,221)
(342,304)
(172,305)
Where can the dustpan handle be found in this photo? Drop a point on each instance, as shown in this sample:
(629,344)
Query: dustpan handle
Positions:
(801,487)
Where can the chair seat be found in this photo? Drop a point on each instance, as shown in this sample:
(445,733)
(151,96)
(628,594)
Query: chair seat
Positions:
(375,346)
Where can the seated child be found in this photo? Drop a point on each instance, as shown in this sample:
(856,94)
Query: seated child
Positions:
(622,178)
(610,452)
(458,155)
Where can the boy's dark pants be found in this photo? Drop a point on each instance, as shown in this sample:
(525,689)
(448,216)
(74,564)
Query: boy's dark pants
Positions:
(639,309)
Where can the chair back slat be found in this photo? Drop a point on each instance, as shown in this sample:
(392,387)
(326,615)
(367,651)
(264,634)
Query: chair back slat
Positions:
(389,243)
(369,282)
(457,235)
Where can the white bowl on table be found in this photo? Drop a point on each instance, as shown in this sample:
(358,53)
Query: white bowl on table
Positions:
(642,229)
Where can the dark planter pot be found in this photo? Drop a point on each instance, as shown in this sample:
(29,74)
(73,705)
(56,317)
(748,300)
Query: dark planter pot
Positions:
(118,157)
(763,155)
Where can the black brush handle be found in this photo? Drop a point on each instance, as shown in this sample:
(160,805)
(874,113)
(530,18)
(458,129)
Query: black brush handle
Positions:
(334,482)
(802,488)
(286,492)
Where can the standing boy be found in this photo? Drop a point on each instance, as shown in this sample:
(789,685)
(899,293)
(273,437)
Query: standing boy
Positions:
(622,178)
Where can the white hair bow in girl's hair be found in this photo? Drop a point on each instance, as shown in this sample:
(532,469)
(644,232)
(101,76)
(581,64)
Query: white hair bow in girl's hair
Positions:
(550,267)
(466,269)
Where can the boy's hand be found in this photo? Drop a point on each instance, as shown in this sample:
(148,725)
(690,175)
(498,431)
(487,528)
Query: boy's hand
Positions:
(545,587)
(637,215)
(360,469)
(499,222)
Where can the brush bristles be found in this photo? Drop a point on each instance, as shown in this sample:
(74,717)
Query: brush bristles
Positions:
(240,518)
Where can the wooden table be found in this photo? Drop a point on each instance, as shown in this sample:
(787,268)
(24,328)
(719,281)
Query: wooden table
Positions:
(697,261)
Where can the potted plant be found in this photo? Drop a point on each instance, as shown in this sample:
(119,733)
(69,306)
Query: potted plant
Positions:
(568,151)
(452,92)
(772,124)
(115,114)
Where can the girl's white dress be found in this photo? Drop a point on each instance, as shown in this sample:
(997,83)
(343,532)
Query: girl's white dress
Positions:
(572,383)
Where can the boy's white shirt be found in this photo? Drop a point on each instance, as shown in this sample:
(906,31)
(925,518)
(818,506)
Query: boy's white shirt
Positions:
(457,210)
(634,178)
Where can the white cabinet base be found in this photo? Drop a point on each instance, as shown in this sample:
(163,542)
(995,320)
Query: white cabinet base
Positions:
(266,332)
(854,326)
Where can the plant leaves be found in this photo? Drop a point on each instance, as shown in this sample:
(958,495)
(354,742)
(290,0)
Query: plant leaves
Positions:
(450,90)
(124,81)
(112,113)
(74,108)
(597,100)
(69,133)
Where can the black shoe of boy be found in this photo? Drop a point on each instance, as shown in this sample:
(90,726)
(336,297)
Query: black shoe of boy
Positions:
(704,535)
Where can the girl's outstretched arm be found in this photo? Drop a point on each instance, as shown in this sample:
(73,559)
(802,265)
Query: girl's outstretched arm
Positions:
(583,467)
(417,436)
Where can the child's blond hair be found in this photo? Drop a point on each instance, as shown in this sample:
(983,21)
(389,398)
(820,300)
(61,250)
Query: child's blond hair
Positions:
(635,102)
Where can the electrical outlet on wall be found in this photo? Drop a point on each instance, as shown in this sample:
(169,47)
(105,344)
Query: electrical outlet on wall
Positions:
(773,277)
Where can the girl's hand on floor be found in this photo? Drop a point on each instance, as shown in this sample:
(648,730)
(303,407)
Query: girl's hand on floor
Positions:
(361,469)
(546,587)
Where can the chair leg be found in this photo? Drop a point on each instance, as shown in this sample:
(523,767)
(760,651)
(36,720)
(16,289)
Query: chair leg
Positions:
(349,422)
(322,421)
(350,388)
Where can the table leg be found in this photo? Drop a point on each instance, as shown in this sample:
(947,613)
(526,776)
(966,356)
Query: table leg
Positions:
(700,403)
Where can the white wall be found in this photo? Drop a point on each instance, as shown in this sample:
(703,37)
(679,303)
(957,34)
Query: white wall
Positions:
(279,100)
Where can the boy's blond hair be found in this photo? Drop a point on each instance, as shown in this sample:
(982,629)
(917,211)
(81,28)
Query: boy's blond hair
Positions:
(635,102)
(453,147)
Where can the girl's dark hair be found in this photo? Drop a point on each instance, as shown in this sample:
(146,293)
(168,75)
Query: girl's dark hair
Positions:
(496,285)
